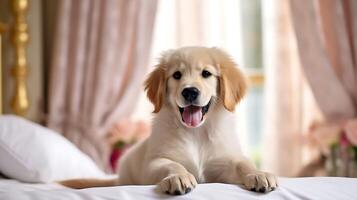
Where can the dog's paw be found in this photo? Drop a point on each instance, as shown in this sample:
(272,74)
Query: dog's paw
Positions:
(260,182)
(178,184)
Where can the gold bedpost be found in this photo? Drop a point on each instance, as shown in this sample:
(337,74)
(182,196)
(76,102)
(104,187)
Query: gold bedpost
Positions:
(2,29)
(20,37)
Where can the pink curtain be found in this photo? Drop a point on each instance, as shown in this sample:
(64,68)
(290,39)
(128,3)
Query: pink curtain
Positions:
(100,56)
(310,61)
(326,32)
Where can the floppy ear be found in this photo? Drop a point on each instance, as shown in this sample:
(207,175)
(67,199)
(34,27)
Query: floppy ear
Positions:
(155,87)
(233,85)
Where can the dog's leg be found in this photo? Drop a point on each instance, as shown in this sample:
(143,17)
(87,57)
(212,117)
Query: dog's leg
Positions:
(240,172)
(171,176)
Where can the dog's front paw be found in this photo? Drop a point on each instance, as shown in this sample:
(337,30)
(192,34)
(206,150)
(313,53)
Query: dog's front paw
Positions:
(260,181)
(178,184)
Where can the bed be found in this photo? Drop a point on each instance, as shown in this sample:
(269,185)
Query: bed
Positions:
(21,186)
(290,188)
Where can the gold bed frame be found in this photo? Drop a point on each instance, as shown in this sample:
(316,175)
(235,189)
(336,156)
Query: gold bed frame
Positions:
(19,37)
(2,30)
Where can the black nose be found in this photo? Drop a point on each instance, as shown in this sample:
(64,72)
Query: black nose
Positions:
(190,94)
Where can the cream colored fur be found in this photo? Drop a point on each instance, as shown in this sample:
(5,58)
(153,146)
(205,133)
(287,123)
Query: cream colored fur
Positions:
(177,157)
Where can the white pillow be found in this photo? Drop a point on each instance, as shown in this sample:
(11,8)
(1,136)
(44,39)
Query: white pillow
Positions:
(32,153)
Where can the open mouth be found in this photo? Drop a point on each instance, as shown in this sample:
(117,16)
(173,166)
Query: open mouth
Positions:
(192,115)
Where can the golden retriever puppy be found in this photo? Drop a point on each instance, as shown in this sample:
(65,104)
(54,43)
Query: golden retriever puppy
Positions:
(194,91)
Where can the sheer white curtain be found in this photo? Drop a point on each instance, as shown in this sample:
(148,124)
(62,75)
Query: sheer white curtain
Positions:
(290,106)
(198,22)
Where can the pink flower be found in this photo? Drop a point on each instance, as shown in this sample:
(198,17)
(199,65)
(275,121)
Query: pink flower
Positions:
(351,131)
(324,134)
(123,130)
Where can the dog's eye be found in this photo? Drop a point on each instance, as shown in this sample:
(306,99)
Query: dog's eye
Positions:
(206,74)
(177,75)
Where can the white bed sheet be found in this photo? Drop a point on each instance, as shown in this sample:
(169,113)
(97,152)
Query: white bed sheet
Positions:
(322,188)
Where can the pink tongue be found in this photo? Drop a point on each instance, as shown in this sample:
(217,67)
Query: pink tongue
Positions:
(192,115)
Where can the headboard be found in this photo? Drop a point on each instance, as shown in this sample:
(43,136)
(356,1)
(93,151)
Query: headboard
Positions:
(19,38)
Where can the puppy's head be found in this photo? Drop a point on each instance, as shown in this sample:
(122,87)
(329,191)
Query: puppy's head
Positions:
(192,80)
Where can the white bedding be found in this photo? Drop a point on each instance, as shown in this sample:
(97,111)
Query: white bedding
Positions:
(289,188)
